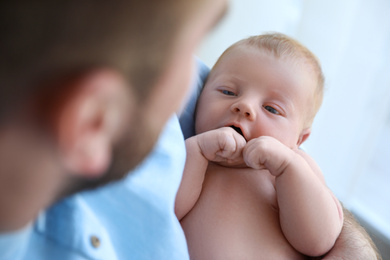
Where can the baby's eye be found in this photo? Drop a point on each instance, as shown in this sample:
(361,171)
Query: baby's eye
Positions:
(229,93)
(271,110)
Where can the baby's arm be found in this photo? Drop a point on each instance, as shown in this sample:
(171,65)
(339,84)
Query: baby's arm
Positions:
(222,145)
(353,243)
(310,215)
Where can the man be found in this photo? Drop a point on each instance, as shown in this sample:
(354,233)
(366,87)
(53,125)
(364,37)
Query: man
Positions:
(86,87)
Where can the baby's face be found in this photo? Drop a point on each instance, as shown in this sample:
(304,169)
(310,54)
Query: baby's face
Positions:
(258,94)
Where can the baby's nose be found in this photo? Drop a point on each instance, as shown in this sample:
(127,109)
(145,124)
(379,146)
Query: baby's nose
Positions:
(244,109)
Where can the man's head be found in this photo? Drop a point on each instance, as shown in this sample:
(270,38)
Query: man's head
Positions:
(86,87)
(264,85)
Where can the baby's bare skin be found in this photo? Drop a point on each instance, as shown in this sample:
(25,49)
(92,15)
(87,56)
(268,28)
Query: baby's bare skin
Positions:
(236,217)
(253,200)
(255,111)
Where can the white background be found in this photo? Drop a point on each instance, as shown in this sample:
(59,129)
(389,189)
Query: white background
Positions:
(351,134)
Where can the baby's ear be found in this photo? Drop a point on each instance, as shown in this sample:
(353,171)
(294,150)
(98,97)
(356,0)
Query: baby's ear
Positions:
(91,120)
(303,136)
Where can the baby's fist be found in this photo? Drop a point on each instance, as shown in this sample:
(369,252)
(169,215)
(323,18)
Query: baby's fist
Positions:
(223,145)
(266,152)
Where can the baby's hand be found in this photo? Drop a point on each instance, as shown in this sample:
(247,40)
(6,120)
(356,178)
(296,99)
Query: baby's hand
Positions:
(266,152)
(223,145)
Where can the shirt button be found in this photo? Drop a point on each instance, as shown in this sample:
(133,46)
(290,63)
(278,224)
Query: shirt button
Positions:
(95,241)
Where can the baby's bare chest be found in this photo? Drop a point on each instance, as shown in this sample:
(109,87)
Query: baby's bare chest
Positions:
(244,186)
(236,212)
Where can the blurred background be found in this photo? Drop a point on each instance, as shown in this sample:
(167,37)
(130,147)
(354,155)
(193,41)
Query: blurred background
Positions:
(351,134)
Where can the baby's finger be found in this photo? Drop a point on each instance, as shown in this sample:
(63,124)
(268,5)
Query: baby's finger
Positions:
(252,155)
(231,146)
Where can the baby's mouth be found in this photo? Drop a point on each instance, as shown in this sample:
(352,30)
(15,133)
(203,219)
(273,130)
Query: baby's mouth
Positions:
(238,130)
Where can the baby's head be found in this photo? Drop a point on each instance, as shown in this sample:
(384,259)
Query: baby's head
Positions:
(287,49)
(263,85)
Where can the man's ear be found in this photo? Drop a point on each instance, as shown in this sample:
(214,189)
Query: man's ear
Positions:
(90,120)
(303,136)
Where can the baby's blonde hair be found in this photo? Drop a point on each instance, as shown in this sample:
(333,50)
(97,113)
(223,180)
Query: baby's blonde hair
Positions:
(283,46)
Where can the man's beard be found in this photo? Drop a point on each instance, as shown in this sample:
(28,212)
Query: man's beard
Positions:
(136,143)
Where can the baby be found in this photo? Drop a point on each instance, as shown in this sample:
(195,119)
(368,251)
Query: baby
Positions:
(248,192)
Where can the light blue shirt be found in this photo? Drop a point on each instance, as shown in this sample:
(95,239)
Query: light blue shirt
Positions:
(129,219)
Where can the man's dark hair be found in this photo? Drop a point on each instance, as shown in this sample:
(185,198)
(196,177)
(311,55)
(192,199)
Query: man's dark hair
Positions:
(45,39)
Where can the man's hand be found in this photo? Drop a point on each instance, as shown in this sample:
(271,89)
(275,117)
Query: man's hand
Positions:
(223,145)
(266,152)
